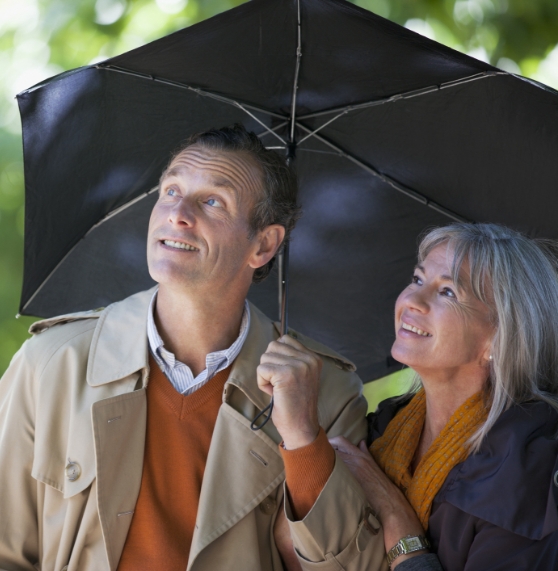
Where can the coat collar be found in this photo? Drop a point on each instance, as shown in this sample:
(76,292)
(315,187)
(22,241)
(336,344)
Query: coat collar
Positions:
(120,348)
(518,459)
(119,345)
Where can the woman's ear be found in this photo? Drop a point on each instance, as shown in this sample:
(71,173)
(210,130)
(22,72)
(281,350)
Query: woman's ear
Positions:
(268,241)
(488,353)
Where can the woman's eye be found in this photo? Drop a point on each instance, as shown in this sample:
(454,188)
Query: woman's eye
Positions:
(213,202)
(448,292)
(416,280)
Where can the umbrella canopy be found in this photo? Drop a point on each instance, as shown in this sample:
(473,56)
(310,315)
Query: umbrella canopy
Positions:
(393,133)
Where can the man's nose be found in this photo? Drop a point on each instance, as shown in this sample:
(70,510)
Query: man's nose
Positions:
(182,212)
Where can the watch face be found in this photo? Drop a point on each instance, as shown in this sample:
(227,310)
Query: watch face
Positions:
(412,543)
(406,545)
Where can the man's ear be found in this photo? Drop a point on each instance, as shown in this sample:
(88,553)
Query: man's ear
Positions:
(269,239)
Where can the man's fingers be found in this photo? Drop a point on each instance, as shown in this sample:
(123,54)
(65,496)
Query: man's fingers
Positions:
(292,342)
(279,359)
(287,346)
(278,373)
(292,348)
(264,374)
(290,363)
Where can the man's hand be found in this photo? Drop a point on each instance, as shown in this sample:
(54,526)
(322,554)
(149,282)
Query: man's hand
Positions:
(291,373)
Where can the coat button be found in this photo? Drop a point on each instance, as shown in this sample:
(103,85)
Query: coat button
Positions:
(556,479)
(73,471)
(268,505)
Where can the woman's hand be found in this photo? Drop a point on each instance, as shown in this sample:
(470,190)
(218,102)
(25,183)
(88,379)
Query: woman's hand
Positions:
(394,511)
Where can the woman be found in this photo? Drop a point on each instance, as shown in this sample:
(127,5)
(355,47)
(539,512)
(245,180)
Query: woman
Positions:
(470,456)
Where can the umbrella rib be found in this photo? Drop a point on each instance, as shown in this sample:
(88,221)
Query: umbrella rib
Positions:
(388,180)
(102,221)
(398,96)
(261,123)
(243,106)
(320,152)
(324,125)
(276,128)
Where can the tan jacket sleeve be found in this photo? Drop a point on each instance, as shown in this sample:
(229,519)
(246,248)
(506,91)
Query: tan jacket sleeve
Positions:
(340,532)
(19,534)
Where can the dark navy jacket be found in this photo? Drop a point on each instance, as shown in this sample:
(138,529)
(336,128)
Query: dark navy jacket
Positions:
(497,510)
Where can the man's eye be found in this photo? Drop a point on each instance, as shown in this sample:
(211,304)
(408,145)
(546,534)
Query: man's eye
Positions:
(213,202)
(171,192)
(416,280)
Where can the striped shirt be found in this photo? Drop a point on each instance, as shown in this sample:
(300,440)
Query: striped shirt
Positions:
(179,374)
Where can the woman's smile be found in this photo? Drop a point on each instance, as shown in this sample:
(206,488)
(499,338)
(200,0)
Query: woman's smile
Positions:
(408,327)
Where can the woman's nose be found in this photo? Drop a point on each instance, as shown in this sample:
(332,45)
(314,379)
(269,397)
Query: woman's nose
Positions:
(417,299)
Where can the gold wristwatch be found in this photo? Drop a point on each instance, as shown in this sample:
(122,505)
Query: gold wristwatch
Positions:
(405,545)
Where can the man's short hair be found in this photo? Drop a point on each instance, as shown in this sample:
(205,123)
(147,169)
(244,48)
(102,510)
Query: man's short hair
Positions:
(278,203)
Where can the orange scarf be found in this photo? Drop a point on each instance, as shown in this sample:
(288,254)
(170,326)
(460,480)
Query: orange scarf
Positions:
(395,449)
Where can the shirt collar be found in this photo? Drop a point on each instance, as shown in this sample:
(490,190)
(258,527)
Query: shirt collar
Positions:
(214,361)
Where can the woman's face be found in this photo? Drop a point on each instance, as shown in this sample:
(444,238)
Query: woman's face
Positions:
(440,326)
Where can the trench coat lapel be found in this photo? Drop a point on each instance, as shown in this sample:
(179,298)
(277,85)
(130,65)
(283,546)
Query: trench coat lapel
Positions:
(243,466)
(119,362)
(119,428)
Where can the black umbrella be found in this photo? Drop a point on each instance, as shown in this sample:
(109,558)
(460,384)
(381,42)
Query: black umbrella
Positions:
(392,133)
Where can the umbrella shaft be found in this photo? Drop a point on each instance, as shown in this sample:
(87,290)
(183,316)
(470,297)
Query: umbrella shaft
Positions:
(283,287)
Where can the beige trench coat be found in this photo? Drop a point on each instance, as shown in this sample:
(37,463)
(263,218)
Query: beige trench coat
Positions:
(75,392)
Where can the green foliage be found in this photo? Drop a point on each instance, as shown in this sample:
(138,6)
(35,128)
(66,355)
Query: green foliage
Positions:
(516,35)
(39,38)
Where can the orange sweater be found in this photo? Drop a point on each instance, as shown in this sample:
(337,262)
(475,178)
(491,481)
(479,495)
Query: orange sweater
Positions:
(178,435)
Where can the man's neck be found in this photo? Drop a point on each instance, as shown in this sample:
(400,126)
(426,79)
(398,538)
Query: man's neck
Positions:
(192,326)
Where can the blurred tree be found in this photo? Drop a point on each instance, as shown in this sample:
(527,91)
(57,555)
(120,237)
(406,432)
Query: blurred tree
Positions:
(39,38)
(519,36)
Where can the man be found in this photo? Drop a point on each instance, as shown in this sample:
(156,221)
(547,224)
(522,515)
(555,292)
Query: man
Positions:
(125,439)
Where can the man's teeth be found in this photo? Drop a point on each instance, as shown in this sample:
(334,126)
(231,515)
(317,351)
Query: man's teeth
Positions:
(415,330)
(179,245)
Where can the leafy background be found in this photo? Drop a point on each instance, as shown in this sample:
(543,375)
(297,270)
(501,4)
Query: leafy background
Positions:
(40,38)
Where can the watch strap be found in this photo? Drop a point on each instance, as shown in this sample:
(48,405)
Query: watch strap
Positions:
(407,544)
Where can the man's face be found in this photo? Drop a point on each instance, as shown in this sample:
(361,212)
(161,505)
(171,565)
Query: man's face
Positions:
(198,231)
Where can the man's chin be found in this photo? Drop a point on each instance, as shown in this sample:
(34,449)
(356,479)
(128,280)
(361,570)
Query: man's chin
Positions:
(169,275)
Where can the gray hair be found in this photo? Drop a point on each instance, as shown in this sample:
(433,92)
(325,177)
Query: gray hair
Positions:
(517,278)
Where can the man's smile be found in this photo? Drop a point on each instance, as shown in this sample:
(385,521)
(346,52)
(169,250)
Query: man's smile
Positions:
(179,245)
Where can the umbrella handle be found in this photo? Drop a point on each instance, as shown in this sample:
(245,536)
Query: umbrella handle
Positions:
(269,408)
